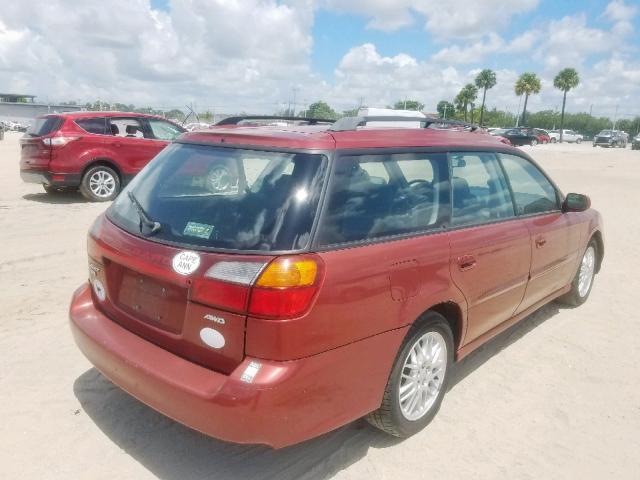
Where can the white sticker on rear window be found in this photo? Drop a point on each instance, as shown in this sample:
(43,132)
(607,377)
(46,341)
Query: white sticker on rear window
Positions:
(186,262)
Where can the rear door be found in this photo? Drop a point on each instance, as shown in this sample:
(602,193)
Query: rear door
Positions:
(490,247)
(132,143)
(554,239)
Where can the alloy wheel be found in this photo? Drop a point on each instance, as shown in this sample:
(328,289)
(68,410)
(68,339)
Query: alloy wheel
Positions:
(102,184)
(422,375)
(587,269)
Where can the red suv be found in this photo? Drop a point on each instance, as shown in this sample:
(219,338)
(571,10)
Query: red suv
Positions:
(95,151)
(267,285)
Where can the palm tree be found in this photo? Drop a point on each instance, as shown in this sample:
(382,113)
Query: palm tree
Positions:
(485,80)
(467,95)
(567,79)
(527,84)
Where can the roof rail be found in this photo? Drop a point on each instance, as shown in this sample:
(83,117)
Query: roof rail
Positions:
(352,123)
(239,119)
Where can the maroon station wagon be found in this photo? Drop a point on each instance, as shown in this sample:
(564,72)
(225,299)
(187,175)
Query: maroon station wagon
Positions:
(97,152)
(269,284)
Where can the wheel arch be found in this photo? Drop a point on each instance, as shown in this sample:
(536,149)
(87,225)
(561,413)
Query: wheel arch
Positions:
(452,313)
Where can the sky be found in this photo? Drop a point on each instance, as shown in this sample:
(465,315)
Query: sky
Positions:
(257,56)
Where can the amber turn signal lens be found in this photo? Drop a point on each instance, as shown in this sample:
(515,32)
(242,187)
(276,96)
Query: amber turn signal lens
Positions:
(288,272)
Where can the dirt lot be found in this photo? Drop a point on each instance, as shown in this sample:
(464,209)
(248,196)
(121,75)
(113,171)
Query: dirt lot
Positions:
(555,397)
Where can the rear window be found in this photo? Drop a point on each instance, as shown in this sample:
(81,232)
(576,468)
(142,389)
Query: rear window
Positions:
(44,126)
(97,125)
(226,198)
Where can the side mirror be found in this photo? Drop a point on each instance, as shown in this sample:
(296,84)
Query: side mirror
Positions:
(576,202)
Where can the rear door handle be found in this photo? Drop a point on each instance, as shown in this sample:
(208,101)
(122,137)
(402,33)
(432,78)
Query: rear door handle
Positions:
(540,242)
(466,262)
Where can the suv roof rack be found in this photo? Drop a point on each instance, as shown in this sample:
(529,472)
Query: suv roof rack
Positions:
(352,123)
(241,118)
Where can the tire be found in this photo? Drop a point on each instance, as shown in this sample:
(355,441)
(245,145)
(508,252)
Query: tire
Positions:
(581,285)
(578,140)
(534,142)
(553,140)
(397,417)
(544,142)
(100,184)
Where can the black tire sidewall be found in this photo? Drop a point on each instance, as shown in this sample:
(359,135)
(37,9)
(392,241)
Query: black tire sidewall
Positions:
(432,321)
(86,191)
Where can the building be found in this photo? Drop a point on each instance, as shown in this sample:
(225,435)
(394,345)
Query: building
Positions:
(22,108)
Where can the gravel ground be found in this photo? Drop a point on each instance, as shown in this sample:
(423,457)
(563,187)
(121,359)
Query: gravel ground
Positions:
(555,397)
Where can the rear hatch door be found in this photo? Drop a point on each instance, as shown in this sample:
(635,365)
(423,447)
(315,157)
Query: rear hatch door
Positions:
(34,153)
(143,292)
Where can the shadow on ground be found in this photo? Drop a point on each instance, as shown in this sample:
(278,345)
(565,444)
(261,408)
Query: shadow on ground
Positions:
(60,198)
(173,452)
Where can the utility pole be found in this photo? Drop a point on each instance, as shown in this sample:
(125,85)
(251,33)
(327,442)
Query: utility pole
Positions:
(615,118)
(591,110)
(295,91)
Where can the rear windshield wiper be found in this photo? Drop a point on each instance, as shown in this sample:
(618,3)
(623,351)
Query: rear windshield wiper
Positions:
(148,226)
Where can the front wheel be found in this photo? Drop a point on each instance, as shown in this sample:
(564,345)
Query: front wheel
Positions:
(579,140)
(100,184)
(418,380)
(553,140)
(583,280)
(534,142)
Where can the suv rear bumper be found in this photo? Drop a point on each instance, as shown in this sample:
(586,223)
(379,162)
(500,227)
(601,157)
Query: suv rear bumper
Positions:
(48,178)
(286,403)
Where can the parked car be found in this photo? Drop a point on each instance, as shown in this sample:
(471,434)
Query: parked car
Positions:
(268,285)
(97,152)
(521,136)
(543,135)
(196,126)
(635,143)
(610,138)
(569,136)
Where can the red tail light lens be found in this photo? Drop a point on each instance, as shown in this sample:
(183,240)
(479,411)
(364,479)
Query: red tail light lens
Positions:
(281,302)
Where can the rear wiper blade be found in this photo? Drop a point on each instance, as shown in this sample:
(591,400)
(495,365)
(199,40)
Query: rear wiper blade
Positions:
(148,226)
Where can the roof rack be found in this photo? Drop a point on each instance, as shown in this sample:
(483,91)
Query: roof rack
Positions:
(239,119)
(352,123)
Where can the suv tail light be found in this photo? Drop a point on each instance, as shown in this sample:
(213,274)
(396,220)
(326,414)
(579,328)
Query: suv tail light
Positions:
(283,288)
(58,141)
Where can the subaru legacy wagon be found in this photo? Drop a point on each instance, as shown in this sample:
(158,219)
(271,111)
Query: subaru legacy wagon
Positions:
(269,284)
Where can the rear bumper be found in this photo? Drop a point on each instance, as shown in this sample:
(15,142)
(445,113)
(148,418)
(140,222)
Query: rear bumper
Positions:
(286,403)
(49,178)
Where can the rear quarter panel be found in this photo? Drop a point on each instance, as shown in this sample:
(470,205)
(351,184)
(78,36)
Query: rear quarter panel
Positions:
(367,290)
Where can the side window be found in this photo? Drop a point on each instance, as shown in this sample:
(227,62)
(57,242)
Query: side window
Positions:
(162,130)
(479,189)
(96,125)
(126,127)
(532,192)
(375,196)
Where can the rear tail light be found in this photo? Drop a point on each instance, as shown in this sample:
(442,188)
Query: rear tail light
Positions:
(58,141)
(284,288)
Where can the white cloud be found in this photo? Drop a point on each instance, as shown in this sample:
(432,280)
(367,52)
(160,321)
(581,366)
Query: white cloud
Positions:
(445,20)
(216,49)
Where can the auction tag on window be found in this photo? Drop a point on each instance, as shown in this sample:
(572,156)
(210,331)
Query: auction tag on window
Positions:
(200,230)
